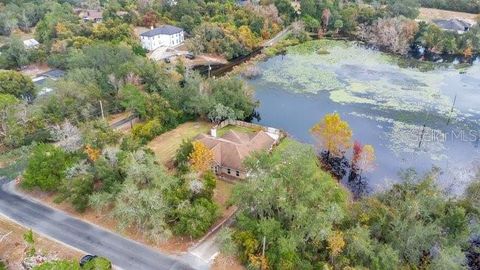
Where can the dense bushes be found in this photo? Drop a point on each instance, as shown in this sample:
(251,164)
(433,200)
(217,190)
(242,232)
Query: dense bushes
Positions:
(393,34)
(438,41)
(411,225)
(16,84)
(233,31)
(58,265)
(46,167)
(297,199)
(147,131)
(98,263)
(182,156)
(195,218)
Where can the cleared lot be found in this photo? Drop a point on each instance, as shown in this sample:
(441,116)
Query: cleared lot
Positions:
(12,245)
(165,145)
(429,14)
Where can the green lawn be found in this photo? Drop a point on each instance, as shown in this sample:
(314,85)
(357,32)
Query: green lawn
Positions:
(166,145)
(222,131)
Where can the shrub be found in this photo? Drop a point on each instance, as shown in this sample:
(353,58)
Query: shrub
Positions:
(130,143)
(209,184)
(182,156)
(108,174)
(46,168)
(77,190)
(248,243)
(195,219)
(98,134)
(58,265)
(147,131)
(99,263)
(16,84)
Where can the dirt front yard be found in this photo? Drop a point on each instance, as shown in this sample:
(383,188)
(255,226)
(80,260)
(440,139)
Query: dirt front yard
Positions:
(12,245)
(166,145)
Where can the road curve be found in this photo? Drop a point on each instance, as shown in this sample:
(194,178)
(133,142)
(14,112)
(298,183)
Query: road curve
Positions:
(124,253)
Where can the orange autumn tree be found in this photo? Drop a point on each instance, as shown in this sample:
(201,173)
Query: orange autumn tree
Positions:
(333,134)
(468,52)
(92,153)
(201,158)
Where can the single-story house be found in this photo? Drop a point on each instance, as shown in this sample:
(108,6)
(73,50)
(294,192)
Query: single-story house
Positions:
(454,25)
(163,36)
(30,43)
(41,80)
(231,149)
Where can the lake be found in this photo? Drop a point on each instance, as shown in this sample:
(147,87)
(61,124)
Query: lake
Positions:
(414,117)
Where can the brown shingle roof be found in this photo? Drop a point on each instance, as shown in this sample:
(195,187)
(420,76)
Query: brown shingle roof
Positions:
(233,147)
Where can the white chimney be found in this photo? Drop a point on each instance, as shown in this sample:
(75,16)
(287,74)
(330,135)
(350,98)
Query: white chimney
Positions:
(213,132)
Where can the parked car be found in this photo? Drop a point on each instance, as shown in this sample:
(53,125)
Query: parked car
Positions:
(166,60)
(189,56)
(85,259)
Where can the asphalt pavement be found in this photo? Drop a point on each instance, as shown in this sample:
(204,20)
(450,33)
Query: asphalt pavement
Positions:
(124,253)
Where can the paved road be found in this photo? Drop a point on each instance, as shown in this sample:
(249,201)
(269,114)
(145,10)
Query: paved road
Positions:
(277,37)
(123,253)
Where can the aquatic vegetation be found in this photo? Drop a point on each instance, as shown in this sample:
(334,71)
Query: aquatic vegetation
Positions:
(353,74)
(406,138)
(344,96)
(406,107)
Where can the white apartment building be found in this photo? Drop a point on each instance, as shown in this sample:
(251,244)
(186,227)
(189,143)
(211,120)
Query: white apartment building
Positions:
(163,36)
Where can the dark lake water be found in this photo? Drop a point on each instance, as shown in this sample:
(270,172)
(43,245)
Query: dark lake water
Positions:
(386,106)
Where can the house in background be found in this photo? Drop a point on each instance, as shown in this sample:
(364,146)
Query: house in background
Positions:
(31,43)
(163,36)
(453,25)
(90,15)
(41,80)
(231,149)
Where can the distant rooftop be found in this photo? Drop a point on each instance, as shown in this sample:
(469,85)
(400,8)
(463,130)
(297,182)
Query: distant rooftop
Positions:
(90,14)
(30,43)
(54,73)
(453,24)
(162,30)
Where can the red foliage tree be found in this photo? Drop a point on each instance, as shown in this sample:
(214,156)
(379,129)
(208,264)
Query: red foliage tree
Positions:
(150,19)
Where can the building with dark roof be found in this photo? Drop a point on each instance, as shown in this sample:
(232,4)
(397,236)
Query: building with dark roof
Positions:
(454,25)
(90,15)
(54,74)
(41,81)
(163,36)
(231,149)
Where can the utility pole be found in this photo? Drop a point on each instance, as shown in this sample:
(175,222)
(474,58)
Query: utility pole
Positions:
(263,247)
(451,110)
(421,137)
(101,109)
(263,250)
